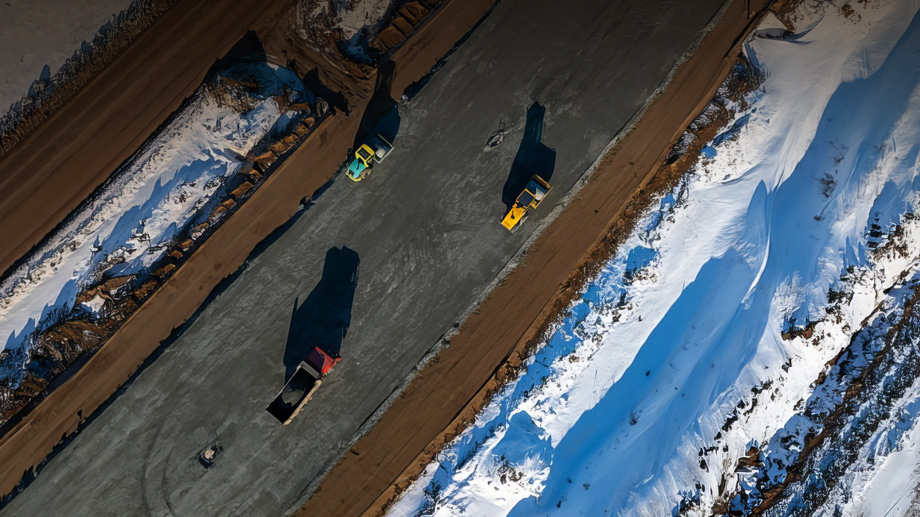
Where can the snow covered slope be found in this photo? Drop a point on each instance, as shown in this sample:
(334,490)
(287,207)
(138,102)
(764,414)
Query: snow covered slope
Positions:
(851,447)
(704,335)
(128,224)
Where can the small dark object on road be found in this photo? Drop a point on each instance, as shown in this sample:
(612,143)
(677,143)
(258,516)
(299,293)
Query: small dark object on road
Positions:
(208,454)
(497,137)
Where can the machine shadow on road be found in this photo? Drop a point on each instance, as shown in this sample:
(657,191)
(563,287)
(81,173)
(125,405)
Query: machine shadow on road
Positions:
(533,157)
(381,117)
(323,318)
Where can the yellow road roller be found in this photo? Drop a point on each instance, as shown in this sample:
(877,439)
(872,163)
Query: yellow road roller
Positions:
(537,189)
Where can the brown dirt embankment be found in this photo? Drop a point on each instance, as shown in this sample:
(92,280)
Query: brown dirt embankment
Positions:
(49,94)
(491,345)
(47,175)
(71,171)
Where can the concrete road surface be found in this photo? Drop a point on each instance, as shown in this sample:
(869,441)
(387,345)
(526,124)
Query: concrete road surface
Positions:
(425,229)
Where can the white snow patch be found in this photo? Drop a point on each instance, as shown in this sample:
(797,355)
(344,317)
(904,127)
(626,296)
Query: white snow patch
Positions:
(360,14)
(94,305)
(891,487)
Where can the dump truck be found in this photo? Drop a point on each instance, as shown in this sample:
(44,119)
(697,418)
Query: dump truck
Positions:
(533,194)
(306,379)
(372,152)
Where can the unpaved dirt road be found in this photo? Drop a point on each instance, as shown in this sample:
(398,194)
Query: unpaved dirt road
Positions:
(425,229)
(49,174)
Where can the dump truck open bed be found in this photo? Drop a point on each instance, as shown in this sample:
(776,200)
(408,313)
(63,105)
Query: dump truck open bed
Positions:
(295,394)
(306,379)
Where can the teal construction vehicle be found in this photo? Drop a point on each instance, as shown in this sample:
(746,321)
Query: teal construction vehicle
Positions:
(372,152)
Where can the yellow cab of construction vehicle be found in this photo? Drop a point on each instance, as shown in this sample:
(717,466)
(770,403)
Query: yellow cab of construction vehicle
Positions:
(536,190)
(364,158)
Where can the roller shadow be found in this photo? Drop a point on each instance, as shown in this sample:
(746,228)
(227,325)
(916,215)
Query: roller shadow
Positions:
(382,113)
(533,157)
(322,320)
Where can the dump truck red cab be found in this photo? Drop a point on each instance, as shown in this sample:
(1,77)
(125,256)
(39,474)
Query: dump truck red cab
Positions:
(321,361)
(302,385)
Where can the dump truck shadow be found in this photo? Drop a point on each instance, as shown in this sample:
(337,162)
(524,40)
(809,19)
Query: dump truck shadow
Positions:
(382,113)
(323,318)
(533,157)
